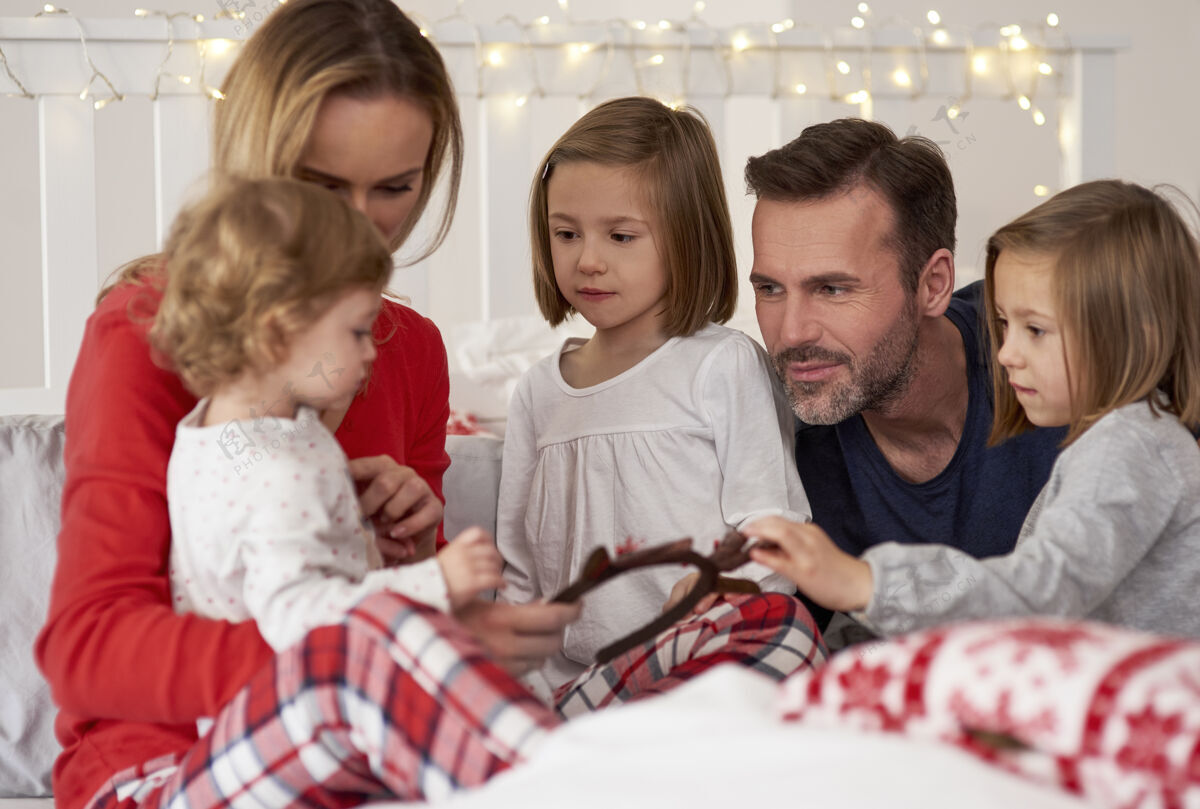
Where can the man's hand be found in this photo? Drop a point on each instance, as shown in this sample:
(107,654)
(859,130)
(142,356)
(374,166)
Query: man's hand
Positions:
(806,555)
(519,636)
(404,510)
(682,588)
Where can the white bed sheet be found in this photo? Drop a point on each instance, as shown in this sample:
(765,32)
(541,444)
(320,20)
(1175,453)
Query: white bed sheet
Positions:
(714,742)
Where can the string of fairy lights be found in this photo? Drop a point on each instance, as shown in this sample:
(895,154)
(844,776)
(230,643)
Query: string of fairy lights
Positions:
(1020,56)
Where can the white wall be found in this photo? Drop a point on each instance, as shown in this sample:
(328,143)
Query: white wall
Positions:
(997,154)
(1158,117)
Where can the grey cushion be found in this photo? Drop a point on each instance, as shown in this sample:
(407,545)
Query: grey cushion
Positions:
(472,483)
(31,480)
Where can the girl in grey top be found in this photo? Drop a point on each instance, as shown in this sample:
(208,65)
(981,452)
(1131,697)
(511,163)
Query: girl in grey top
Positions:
(1093,299)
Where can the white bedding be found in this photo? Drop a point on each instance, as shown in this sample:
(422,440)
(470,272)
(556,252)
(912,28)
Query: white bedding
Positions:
(714,742)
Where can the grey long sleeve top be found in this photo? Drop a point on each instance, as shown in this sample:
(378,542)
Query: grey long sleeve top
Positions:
(1114,536)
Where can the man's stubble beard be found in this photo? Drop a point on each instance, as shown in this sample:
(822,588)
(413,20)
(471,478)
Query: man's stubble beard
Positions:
(878,381)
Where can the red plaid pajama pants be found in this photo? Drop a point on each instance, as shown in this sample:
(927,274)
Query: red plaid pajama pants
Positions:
(396,701)
(399,701)
(773,634)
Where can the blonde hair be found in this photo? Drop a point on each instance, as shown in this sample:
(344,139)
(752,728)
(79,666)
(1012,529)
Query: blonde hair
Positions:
(307,51)
(1127,290)
(251,265)
(674,153)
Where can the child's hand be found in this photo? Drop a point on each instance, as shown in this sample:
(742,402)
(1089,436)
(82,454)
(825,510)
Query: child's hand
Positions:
(682,588)
(470,565)
(400,551)
(806,555)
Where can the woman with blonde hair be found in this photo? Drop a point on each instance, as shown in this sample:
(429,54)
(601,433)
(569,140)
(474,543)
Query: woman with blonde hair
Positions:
(347,94)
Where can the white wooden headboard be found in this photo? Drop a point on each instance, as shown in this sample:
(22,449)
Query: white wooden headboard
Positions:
(85,189)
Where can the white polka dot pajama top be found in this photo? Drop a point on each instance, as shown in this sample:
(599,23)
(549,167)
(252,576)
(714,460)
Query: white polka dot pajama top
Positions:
(266,526)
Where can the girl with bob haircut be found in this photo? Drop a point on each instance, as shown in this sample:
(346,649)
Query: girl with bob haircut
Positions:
(345,94)
(1091,302)
(676,158)
(663,424)
(272,287)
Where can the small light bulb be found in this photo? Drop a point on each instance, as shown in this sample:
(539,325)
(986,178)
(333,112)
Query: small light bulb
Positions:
(940,36)
(657,59)
(218,47)
(952,111)
(1010,30)
(216,94)
(562,4)
(1018,43)
(101,103)
(979,64)
(1024,103)
(495,59)
(664,25)
(863,8)
(857,22)
(740,42)
(843,67)
(1039,117)
(639,24)
(801,88)
(1045,69)
(83,95)
(425,33)
(542,20)
(789,23)
(777,28)
(699,7)
(1041,191)
(1052,20)
(137,12)
(520,100)
(198,18)
(933,17)
(184,79)
(901,77)
(49,9)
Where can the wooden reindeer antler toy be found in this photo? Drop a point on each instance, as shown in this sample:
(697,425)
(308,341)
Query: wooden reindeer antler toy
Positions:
(730,552)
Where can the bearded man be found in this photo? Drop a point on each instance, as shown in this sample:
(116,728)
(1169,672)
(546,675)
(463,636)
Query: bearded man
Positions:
(884,364)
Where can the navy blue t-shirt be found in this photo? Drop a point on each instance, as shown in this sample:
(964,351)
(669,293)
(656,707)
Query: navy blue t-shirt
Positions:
(977,503)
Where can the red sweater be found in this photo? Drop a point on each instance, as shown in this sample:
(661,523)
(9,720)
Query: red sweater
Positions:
(112,646)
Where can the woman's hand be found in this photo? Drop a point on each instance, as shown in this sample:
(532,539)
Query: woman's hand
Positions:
(518,636)
(402,507)
(806,555)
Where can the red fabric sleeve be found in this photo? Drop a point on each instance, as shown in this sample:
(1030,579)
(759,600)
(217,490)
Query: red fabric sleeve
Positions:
(112,646)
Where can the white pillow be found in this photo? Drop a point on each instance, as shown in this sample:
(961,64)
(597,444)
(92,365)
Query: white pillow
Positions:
(487,359)
(31,480)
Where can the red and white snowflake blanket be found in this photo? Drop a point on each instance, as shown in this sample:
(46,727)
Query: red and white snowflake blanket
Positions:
(1108,713)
